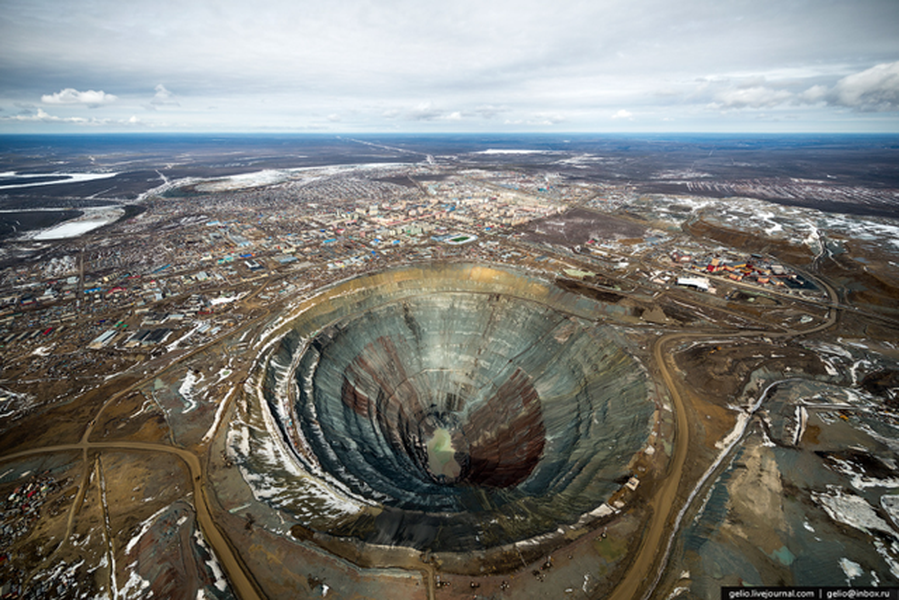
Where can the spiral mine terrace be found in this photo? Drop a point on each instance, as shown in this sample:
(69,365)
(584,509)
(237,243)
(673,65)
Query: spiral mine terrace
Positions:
(455,409)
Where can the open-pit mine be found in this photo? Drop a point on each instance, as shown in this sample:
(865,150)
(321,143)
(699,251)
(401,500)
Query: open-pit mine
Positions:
(452,408)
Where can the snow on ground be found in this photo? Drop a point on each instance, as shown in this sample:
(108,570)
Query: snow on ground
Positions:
(277,478)
(269,177)
(853,570)
(860,481)
(93,218)
(582,160)
(245,180)
(135,586)
(218,415)
(855,367)
(22,403)
(174,345)
(69,178)
(801,423)
(736,433)
(226,299)
(829,349)
(888,557)
(890,504)
(70,229)
(221,583)
(852,510)
(510,151)
(795,224)
(59,266)
(187,390)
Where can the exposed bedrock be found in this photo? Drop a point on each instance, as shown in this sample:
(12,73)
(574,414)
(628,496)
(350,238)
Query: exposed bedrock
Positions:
(468,416)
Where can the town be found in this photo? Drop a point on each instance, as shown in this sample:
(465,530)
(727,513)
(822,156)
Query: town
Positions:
(214,251)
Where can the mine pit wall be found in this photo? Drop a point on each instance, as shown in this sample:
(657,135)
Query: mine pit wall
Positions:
(364,293)
(367,293)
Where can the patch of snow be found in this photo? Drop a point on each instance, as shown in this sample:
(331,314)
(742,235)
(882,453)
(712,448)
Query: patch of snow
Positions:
(69,178)
(739,428)
(218,415)
(92,219)
(890,504)
(884,552)
(144,528)
(69,229)
(853,570)
(860,481)
(174,345)
(829,349)
(226,299)
(224,374)
(501,151)
(851,510)
(245,180)
(801,422)
(221,583)
(134,587)
(767,442)
(187,390)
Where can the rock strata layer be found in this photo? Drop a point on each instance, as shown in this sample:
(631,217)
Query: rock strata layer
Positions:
(464,416)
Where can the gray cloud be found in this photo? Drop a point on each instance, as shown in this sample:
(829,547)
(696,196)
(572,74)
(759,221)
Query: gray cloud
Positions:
(487,111)
(874,89)
(407,64)
(426,111)
(163,97)
(751,97)
(40,116)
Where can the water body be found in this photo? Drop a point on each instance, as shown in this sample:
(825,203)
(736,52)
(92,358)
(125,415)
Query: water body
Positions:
(441,455)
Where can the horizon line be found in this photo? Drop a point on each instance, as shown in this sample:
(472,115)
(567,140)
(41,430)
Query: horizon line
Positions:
(453,133)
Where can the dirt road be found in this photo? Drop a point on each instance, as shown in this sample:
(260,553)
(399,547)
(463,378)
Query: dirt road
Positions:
(645,571)
(242,584)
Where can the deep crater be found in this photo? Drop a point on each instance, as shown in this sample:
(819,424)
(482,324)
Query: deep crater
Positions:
(458,416)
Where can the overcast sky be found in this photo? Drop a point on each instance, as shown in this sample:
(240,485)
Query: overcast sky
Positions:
(450,65)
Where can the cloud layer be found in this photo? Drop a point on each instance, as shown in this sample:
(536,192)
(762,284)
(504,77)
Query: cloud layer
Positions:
(90,98)
(457,65)
(874,89)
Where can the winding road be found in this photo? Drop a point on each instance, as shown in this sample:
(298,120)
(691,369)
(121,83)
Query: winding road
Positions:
(648,566)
